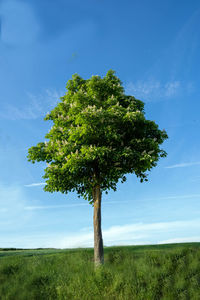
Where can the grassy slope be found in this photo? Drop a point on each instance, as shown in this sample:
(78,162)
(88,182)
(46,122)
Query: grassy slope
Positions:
(133,272)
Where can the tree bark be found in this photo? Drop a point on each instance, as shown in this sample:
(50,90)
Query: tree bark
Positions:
(98,241)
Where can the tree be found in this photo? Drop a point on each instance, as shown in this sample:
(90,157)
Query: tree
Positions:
(99,135)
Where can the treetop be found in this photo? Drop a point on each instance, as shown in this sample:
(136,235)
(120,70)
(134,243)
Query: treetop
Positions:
(99,135)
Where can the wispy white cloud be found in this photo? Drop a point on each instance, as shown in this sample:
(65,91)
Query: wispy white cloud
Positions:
(171,88)
(35,184)
(181,196)
(153,90)
(48,97)
(37,106)
(43,207)
(182,165)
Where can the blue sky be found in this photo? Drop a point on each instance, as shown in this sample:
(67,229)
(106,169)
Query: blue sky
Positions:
(154,48)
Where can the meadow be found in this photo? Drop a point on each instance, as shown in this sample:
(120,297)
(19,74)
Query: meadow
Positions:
(156,272)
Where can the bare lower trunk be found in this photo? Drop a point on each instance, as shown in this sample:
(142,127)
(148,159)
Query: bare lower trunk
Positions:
(98,241)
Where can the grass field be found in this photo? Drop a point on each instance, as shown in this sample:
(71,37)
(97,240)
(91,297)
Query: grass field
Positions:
(167,272)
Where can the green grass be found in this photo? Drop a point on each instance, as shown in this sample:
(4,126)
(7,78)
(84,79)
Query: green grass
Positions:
(167,272)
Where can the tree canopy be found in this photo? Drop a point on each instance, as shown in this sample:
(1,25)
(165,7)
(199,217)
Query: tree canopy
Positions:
(99,135)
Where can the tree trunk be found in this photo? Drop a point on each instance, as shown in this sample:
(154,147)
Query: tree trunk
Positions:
(98,241)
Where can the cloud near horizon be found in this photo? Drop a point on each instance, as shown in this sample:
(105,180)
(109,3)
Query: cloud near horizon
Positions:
(181,240)
(130,234)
